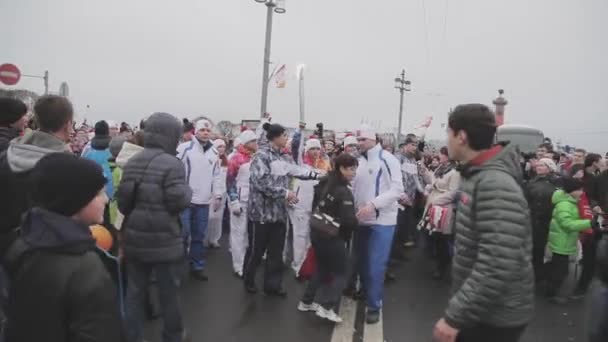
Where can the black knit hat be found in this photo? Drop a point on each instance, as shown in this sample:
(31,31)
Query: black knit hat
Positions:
(11,110)
(64,184)
(570,184)
(102,128)
(274,131)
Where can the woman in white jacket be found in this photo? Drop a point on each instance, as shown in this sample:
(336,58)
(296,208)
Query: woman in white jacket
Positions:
(214,229)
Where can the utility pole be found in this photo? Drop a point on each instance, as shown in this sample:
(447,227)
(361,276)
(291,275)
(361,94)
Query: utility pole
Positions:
(402,85)
(272,6)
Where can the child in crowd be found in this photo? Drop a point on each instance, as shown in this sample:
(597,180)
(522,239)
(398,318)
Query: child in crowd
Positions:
(60,289)
(566,224)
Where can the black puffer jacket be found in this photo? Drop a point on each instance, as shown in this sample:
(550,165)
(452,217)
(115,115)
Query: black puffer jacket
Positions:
(152,231)
(493,281)
(338,202)
(60,290)
(539,192)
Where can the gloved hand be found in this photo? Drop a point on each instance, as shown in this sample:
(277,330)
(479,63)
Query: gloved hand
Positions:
(217,204)
(235,208)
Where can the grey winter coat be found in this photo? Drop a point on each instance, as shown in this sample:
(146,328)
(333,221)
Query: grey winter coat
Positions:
(152,231)
(493,282)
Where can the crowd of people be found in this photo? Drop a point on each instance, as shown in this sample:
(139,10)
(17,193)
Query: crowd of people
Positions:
(498,224)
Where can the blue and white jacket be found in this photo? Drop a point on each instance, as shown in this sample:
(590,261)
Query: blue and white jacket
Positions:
(203,171)
(379,181)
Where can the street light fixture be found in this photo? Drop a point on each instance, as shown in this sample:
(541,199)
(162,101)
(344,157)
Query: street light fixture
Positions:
(403,85)
(273,6)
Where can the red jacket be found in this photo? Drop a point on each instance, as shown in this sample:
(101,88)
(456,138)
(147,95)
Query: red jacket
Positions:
(584,211)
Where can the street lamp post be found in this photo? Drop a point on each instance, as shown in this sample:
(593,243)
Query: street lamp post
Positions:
(45,78)
(273,6)
(403,85)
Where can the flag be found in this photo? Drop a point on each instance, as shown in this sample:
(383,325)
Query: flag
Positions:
(279,76)
(426,123)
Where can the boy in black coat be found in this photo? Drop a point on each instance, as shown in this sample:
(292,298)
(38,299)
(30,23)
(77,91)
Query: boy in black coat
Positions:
(60,290)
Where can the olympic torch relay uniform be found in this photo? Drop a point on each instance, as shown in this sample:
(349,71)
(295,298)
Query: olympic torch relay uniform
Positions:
(203,174)
(238,192)
(378,181)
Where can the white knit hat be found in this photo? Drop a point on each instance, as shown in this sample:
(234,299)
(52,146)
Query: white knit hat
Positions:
(247,136)
(366,132)
(203,123)
(312,143)
(350,140)
(548,163)
(236,143)
(219,142)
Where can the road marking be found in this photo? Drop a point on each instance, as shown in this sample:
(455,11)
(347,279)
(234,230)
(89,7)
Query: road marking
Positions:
(344,331)
(373,332)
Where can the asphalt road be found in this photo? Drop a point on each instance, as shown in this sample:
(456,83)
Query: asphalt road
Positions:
(220,310)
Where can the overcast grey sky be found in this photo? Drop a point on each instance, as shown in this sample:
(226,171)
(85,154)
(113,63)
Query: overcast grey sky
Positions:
(129,58)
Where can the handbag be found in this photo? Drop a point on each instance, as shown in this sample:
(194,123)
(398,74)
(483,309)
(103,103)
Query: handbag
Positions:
(323,222)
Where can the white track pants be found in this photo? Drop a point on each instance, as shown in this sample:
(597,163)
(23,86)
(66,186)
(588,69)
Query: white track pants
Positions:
(214,229)
(238,239)
(301,238)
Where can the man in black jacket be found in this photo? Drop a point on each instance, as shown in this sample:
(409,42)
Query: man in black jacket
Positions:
(54,115)
(60,288)
(152,193)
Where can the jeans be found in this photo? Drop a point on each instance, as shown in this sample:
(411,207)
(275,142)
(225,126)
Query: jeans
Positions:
(168,283)
(266,238)
(374,246)
(485,333)
(558,268)
(194,222)
(331,262)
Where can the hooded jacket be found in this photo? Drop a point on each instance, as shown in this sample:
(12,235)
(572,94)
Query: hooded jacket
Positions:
(15,166)
(565,224)
(152,193)
(6,135)
(100,154)
(492,277)
(60,290)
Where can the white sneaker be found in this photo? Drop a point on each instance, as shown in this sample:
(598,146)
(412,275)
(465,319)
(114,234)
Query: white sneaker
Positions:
(328,315)
(308,307)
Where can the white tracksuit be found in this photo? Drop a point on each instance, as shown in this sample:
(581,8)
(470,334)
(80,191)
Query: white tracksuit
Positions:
(238,192)
(214,229)
(299,215)
(203,172)
(379,180)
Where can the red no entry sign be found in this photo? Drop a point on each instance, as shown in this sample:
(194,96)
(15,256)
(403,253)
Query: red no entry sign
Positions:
(9,74)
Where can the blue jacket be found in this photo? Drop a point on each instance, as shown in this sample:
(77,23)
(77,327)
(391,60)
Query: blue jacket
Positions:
(102,157)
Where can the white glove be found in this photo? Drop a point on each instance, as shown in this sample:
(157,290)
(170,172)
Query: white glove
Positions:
(217,204)
(235,208)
